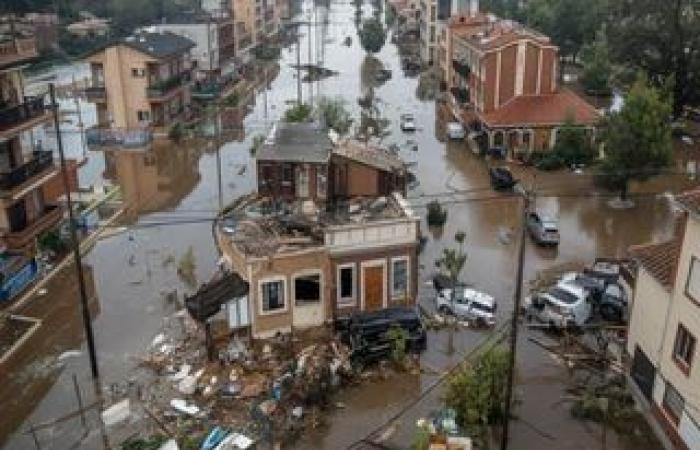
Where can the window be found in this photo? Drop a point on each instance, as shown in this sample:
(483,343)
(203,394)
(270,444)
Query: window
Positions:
(399,277)
(272,296)
(307,289)
(692,284)
(302,181)
(138,72)
(321,183)
(684,348)
(346,284)
(673,403)
(143,116)
(287,175)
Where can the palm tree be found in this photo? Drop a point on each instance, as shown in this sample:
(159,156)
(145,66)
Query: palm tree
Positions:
(451,263)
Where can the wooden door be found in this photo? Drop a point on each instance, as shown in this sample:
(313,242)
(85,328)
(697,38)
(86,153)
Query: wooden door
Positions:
(373,284)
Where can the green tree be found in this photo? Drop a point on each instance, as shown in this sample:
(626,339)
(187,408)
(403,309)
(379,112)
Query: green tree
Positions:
(334,114)
(451,264)
(638,138)
(596,65)
(372,35)
(298,113)
(477,392)
(573,146)
(662,38)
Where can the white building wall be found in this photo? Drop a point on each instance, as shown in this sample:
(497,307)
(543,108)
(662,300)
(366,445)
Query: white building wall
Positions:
(648,316)
(204,45)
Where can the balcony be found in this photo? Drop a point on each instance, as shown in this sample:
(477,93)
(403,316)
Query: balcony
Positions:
(13,117)
(118,137)
(28,231)
(165,87)
(17,50)
(96,94)
(41,162)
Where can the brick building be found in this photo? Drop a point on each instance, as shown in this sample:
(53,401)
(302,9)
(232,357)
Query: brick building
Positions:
(503,79)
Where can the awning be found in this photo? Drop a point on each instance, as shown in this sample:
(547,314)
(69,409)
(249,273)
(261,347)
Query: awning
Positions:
(208,299)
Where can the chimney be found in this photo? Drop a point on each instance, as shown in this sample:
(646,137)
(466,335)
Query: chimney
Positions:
(473,7)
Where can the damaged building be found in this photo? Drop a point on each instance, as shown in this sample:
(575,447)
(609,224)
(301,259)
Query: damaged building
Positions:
(329,233)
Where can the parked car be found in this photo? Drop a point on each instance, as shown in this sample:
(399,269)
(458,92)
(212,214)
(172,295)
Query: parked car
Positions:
(455,130)
(613,303)
(502,178)
(564,305)
(408,123)
(543,229)
(497,152)
(468,304)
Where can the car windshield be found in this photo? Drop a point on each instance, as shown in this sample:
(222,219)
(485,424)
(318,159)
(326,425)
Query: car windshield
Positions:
(482,307)
(563,295)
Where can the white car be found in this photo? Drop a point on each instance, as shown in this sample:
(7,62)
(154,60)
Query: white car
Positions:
(468,304)
(564,305)
(455,130)
(408,123)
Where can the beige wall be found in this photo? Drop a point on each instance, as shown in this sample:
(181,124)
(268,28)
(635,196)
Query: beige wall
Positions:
(686,312)
(267,324)
(126,95)
(647,316)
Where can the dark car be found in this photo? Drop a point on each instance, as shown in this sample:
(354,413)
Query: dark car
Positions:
(613,303)
(502,178)
(367,333)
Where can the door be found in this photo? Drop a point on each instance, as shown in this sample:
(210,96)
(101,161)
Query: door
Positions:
(373,285)
(643,372)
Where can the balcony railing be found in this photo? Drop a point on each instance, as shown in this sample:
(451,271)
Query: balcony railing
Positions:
(118,137)
(12,116)
(41,161)
(161,88)
(95,93)
(20,238)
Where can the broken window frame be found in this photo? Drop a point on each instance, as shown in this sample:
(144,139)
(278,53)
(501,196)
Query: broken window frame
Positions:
(307,274)
(262,285)
(352,299)
(400,293)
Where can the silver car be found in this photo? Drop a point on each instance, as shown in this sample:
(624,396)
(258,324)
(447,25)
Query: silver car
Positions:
(543,230)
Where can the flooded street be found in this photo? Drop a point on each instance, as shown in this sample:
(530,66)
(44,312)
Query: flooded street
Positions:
(172,193)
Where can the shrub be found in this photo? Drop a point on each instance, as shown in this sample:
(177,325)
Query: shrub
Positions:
(298,113)
(437,215)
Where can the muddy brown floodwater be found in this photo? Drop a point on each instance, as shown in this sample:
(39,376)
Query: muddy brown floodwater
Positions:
(173,193)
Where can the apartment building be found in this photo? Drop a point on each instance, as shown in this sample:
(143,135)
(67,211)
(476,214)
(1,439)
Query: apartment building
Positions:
(139,83)
(664,327)
(503,80)
(24,169)
(428,28)
(213,35)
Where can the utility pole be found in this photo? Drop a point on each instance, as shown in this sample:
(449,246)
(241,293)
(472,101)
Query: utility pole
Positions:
(87,322)
(298,68)
(514,322)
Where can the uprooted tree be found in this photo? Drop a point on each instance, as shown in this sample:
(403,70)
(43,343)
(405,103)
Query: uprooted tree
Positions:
(638,141)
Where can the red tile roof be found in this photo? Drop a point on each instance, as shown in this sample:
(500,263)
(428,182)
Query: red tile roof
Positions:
(690,200)
(542,110)
(660,260)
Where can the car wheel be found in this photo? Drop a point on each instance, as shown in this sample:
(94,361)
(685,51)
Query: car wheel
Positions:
(445,310)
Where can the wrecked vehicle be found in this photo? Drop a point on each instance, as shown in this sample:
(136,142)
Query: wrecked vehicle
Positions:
(367,334)
(468,304)
(562,306)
